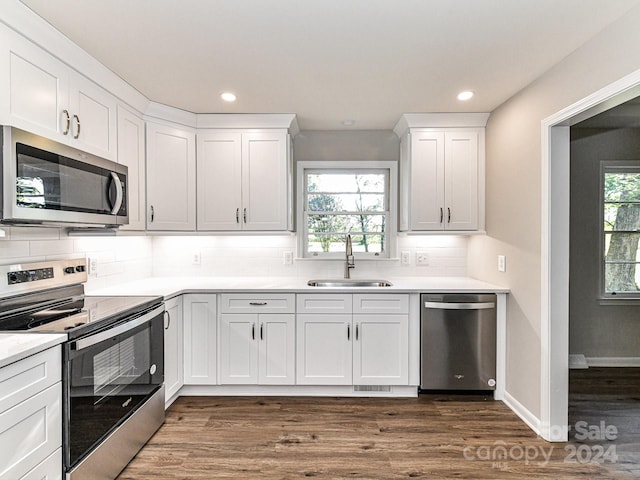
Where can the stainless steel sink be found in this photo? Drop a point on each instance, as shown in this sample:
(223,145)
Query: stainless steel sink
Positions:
(341,283)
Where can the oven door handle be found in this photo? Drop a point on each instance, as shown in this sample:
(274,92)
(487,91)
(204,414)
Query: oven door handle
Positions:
(91,340)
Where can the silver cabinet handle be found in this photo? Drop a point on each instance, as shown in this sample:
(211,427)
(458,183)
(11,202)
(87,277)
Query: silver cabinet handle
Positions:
(153,214)
(448,215)
(168,315)
(258,304)
(237,215)
(119,193)
(441,214)
(68,126)
(77,119)
(244,215)
(460,306)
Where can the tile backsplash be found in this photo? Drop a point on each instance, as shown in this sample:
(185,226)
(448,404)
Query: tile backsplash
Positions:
(127,258)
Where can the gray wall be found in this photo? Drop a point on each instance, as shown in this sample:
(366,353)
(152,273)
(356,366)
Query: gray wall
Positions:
(346,145)
(596,330)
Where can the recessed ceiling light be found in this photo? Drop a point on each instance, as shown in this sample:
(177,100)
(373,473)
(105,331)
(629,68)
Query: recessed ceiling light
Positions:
(466,95)
(348,122)
(228,97)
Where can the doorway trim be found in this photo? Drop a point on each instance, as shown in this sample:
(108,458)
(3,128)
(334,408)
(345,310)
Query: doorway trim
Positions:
(554,233)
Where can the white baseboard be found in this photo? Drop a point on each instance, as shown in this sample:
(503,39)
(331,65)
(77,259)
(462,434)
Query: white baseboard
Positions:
(613,361)
(525,415)
(578,361)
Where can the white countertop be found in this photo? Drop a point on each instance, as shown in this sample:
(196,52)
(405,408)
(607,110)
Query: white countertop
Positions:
(171,286)
(16,346)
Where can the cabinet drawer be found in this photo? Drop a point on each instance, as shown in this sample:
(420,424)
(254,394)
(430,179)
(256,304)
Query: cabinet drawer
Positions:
(383,303)
(23,379)
(50,469)
(37,423)
(324,303)
(257,303)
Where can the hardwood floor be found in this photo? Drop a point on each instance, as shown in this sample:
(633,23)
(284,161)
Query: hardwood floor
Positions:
(607,403)
(432,436)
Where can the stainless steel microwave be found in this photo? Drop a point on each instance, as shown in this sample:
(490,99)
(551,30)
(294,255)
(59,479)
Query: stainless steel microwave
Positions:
(50,183)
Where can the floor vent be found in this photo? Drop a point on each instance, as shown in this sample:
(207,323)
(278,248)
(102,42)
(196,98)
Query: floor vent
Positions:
(372,388)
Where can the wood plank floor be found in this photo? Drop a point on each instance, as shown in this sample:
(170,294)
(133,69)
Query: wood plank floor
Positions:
(432,436)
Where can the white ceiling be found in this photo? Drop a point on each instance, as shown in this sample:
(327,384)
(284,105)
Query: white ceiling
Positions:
(330,60)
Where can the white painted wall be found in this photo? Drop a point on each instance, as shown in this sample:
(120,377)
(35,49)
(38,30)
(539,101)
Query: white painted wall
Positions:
(514,196)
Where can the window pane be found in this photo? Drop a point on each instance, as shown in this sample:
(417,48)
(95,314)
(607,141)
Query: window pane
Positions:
(346,202)
(621,262)
(372,243)
(348,182)
(344,224)
(622,187)
(622,216)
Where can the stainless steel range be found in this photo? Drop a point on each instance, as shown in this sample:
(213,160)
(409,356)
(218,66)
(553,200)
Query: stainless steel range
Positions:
(113,361)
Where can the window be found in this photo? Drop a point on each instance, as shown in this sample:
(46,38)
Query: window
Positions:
(337,199)
(621,228)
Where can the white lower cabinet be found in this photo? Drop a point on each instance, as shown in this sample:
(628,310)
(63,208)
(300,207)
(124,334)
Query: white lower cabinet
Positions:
(31,417)
(173,348)
(345,339)
(200,339)
(257,339)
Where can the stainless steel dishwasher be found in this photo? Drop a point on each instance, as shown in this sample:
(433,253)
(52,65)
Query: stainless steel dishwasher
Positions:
(458,342)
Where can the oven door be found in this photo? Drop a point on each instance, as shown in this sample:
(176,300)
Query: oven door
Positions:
(107,376)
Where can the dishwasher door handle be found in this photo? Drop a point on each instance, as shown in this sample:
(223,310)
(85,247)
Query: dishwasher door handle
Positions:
(460,306)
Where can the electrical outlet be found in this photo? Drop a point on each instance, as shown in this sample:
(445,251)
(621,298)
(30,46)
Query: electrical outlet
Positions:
(422,258)
(287,257)
(502,263)
(406,258)
(93,266)
(196,259)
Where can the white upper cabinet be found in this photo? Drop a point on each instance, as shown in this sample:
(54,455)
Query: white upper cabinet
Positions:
(244,180)
(442,173)
(46,97)
(131,152)
(171,178)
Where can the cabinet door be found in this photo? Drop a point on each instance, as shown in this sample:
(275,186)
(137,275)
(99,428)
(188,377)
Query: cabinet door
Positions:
(381,350)
(427,181)
(239,348)
(173,348)
(30,432)
(324,349)
(34,88)
(219,181)
(461,177)
(171,180)
(276,352)
(49,469)
(131,152)
(93,117)
(200,361)
(264,181)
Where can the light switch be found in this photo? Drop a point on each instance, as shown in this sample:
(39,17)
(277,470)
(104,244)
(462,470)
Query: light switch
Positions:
(502,263)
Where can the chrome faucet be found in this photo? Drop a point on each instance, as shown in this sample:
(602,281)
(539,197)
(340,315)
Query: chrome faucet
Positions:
(349,261)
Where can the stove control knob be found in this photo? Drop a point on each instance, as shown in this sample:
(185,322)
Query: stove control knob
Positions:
(69,270)
(80,268)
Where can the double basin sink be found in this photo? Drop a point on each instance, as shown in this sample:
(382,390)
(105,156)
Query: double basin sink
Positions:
(347,282)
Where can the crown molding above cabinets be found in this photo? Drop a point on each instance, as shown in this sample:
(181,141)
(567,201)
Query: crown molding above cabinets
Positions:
(439,120)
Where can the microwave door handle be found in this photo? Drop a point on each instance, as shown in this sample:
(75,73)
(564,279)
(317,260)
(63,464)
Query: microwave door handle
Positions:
(115,180)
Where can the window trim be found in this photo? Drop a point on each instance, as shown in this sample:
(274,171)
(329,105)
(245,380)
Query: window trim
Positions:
(392,224)
(612,166)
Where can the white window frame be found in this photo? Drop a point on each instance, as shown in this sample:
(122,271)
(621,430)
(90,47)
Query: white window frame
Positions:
(392,216)
(609,166)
